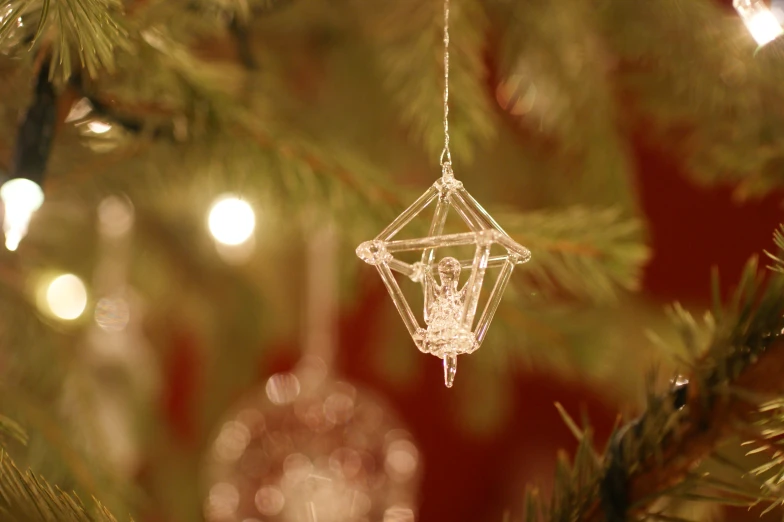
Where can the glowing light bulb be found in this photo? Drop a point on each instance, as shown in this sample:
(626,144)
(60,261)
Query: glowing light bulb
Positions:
(66,297)
(21,198)
(231,220)
(760,21)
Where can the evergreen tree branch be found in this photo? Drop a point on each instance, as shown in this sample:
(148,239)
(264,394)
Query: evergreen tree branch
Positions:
(12,430)
(588,253)
(560,90)
(25,497)
(408,36)
(654,456)
(93,29)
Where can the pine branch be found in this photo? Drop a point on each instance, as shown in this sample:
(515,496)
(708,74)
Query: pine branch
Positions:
(555,79)
(587,253)
(408,36)
(91,28)
(654,456)
(12,430)
(27,498)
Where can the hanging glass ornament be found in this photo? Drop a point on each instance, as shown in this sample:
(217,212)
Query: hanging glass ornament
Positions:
(450,308)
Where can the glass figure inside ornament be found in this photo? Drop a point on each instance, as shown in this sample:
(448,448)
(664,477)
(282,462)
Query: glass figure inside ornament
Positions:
(445,335)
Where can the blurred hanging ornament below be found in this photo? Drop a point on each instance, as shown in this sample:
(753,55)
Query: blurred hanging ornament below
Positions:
(450,306)
(307,448)
(759,19)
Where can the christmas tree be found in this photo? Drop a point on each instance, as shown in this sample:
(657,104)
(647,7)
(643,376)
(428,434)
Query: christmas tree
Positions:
(187,333)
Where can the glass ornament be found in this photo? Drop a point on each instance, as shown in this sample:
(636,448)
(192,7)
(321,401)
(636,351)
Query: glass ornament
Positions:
(306,448)
(450,310)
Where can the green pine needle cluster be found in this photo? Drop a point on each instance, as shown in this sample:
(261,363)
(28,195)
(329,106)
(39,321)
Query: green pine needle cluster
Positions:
(656,453)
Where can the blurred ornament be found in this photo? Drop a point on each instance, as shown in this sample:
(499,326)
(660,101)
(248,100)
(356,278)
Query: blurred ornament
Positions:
(311,449)
(449,306)
(22,194)
(759,20)
(113,371)
(307,448)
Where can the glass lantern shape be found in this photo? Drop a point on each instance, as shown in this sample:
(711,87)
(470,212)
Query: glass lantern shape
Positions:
(451,327)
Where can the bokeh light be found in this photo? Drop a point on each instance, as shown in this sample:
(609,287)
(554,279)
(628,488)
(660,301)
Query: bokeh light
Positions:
(66,297)
(760,21)
(21,198)
(115,216)
(112,314)
(231,220)
(282,388)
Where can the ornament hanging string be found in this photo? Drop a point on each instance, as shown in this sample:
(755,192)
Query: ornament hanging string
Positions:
(446,155)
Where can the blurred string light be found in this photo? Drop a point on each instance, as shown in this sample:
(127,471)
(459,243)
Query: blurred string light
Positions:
(64,297)
(231,220)
(759,19)
(21,198)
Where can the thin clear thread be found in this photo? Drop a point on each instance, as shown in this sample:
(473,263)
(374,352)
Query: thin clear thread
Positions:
(446,155)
